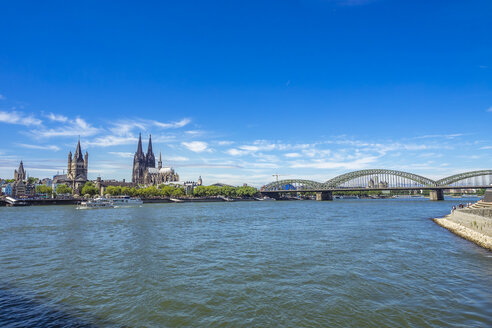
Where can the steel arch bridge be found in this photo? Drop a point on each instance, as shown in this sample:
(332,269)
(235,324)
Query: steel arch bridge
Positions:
(462,176)
(297,184)
(337,182)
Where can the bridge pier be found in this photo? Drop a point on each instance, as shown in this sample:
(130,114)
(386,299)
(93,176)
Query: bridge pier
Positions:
(324,195)
(436,194)
(274,195)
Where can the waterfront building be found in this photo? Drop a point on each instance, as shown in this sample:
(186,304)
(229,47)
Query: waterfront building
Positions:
(7,189)
(144,170)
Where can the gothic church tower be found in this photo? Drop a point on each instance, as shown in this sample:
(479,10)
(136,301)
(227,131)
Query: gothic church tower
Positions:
(139,163)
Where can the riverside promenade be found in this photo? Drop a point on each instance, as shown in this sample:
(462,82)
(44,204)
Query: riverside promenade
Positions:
(473,223)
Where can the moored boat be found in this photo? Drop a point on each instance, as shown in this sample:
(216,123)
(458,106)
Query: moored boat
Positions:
(125,201)
(99,202)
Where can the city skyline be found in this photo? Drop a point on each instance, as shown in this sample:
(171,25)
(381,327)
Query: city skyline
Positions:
(236,93)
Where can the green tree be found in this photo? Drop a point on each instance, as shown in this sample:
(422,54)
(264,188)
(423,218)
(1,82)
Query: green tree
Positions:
(200,191)
(63,189)
(178,192)
(89,189)
(126,191)
(42,189)
(113,190)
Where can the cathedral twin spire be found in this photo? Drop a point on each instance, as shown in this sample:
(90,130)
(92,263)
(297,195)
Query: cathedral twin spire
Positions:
(142,161)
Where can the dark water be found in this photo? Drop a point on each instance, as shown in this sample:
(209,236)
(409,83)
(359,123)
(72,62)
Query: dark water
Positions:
(358,263)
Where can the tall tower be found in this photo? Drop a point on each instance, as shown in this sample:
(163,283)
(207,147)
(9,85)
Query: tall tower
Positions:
(149,158)
(86,162)
(159,164)
(139,163)
(69,164)
(20,173)
(77,166)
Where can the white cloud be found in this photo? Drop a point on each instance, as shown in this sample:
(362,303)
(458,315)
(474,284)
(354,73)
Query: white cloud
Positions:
(77,127)
(225,142)
(109,140)
(18,118)
(292,155)
(57,118)
(124,128)
(173,125)
(236,152)
(196,146)
(440,136)
(349,165)
(121,154)
(194,132)
(486,147)
(176,158)
(45,147)
(489,110)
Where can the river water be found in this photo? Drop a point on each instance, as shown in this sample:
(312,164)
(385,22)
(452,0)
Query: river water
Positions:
(345,263)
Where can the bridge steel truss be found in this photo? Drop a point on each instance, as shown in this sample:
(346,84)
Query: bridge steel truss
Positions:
(458,177)
(341,179)
(337,182)
(304,184)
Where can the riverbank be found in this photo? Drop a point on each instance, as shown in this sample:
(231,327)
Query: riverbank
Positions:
(75,201)
(473,223)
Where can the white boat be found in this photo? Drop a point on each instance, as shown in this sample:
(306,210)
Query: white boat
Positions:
(346,197)
(96,203)
(176,200)
(125,201)
(265,198)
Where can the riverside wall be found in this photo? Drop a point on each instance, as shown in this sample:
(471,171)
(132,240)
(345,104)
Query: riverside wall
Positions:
(474,225)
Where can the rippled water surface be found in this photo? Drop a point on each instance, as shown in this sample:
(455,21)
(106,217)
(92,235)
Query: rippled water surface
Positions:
(379,263)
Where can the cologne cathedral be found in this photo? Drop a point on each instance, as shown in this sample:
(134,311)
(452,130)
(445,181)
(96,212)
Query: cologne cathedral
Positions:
(144,170)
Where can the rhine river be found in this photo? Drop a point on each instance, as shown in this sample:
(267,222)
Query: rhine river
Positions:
(345,263)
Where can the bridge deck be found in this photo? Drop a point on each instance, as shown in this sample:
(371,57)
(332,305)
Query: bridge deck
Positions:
(379,189)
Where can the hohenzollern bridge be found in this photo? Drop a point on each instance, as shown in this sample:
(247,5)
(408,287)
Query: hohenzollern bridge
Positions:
(380,179)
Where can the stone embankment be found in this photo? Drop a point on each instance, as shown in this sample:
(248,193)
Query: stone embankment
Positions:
(473,223)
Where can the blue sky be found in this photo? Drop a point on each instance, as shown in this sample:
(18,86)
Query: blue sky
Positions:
(236,91)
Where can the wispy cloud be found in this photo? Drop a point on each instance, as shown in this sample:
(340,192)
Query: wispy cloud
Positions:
(348,165)
(489,110)
(172,125)
(19,118)
(121,154)
(292,155)
(2,97)
(57,118)
(110,140)
(77,127)
(442,136)
(196,146)
(42,147)
(176,158)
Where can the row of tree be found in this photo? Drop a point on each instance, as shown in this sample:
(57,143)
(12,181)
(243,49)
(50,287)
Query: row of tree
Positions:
(60,190)
(153,191)
(178,191)
(226,191)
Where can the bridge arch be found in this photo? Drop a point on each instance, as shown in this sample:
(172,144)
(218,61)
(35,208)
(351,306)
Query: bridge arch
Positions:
(297,184)
(341,179)
(462,176)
